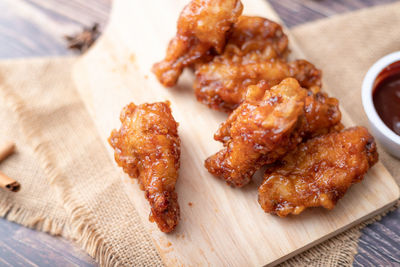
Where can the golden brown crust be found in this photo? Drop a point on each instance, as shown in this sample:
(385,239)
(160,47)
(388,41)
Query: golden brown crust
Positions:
(202,26)
(321,115)
(260,131)
(256,50)
(222,85)
(318,172)
(147,147)
(255,38)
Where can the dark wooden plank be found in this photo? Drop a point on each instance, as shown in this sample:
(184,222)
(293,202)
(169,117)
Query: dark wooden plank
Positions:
(379,244)
(20,246)
(31,28)
(295,12)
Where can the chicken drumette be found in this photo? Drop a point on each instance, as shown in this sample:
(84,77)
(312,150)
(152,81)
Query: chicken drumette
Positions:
(202,29)
(267,125)
(318,172)
(147,147)
(256,50)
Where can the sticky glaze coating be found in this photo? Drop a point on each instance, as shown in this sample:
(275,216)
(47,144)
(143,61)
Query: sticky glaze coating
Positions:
(202,28)
(321,115)
(254,39)
(222,85)
(256,50)
(318,172)
(268,125)
(147,147)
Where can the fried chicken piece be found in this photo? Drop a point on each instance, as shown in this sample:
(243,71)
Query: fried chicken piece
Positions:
(256,50)
(255,128)
(321,115)
(147,147)
(221,83)
(260,131)
(254,39)
(318,172)
(203,25)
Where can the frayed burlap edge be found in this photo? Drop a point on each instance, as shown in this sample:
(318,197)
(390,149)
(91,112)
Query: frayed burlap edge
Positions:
(81,222)
(40,221)
(35,220)
(350,238)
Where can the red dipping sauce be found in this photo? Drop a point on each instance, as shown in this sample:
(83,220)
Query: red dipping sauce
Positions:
(386,96)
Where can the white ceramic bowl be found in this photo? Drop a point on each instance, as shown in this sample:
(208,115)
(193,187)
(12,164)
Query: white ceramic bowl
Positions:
(387,138)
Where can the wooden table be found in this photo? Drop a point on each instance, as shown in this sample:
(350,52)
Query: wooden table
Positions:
(32,28)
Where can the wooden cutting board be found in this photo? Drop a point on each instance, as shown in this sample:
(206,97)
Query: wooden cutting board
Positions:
(220,225)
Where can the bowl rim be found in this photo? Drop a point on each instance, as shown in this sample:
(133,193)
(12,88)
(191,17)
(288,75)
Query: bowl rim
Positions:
(366,95)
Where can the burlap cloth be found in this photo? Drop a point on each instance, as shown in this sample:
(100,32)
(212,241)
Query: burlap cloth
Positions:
(69,184)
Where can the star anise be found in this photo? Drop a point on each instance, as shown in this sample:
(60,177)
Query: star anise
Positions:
(83,40)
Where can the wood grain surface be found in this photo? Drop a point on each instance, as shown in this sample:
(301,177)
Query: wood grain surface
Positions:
(31,28)
(295,12)
(20,246)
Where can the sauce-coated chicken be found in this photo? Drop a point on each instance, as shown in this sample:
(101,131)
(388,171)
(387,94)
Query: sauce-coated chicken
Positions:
(266,126)
(318,172)
(147,147)
(202,29)
(256,50)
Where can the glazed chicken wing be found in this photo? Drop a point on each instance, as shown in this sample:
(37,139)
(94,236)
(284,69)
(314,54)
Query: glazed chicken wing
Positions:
(222,84)
(203,25)
(318,172)
(262,130)
(321,115)
(147,147)
(254,39)
(256,50)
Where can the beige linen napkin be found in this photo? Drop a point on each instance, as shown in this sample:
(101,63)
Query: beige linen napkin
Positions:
(70,186)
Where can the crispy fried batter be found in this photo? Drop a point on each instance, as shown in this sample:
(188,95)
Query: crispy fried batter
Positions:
(147,147)
(318,172)
(203,25)
(260,131)
(254,129)
(321,115)
(222,84)
(254,39)
(255,51)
